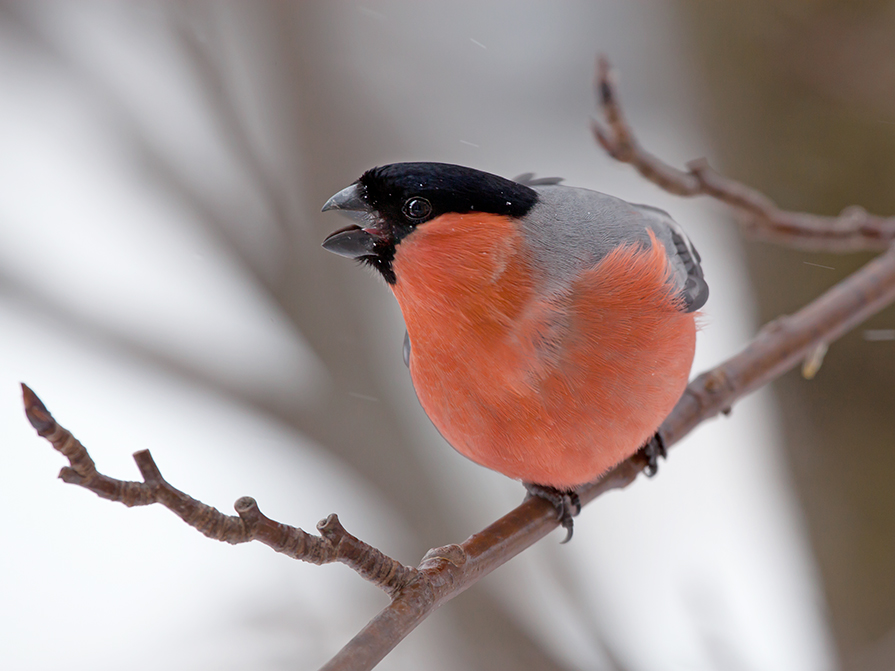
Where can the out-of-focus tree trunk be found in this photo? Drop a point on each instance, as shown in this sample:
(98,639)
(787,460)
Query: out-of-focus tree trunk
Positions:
(802,104)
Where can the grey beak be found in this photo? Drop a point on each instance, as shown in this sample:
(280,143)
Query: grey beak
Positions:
(351,242)
(350,198)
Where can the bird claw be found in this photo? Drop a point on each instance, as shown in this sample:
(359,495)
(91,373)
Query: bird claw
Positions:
(654,448)
(566,502)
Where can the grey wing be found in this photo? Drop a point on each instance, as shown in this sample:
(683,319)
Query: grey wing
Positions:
(570,227)
(684,258)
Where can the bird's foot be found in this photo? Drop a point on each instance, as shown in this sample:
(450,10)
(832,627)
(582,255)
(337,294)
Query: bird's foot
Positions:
(565,501)
(654,448)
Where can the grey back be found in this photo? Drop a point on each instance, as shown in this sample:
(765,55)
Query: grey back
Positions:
(570,229)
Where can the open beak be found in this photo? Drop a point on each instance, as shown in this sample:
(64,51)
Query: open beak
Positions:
(351,241)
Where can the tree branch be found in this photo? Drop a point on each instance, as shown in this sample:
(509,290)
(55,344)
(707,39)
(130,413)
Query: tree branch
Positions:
(853,230)
(447,571)
(334,544)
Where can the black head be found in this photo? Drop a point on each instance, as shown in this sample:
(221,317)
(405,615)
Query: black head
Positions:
(397,198)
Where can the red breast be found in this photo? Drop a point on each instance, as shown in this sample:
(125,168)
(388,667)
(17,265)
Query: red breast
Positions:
(552,389)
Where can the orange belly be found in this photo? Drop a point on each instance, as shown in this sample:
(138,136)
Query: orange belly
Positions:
(554,389)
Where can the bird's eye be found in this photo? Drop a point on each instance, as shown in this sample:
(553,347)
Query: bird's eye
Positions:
(417,208)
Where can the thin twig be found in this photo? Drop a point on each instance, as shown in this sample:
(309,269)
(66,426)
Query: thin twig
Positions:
(853,229)
(334,544)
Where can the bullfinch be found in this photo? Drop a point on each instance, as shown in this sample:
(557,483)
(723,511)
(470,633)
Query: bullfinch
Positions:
(550,329)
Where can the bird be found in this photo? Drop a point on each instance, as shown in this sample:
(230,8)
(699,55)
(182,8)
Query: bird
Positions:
(549,329)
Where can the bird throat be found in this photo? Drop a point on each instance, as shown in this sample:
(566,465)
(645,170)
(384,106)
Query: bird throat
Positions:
(462,272)
(464,288)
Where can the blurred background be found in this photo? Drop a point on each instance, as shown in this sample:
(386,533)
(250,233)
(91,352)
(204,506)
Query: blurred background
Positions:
(162,286)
